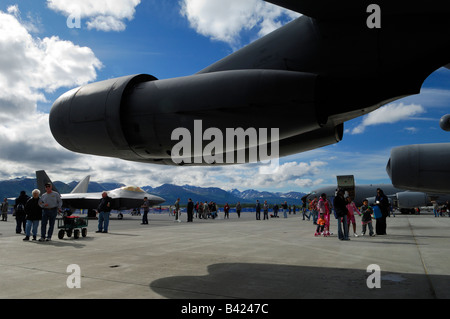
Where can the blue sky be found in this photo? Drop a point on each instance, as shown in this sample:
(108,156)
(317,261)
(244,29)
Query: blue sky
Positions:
(41,58)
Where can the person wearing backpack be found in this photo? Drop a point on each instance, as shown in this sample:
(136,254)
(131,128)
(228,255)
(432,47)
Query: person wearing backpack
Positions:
(19,208)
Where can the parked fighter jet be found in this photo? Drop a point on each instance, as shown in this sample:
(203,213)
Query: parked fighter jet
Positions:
(339,61)
(127,197)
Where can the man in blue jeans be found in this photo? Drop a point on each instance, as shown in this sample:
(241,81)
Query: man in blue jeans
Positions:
(51,203)
(104,208)
(340,208)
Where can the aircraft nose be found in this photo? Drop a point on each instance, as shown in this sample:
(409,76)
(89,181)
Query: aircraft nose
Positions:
(159,200)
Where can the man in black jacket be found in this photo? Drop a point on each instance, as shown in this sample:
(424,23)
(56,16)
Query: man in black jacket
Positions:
(258,210)
(383,202)
(19,209)
(104,209)
(340,207)
(190,210)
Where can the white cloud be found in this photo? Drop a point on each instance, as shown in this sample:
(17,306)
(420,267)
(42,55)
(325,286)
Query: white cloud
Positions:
(30,65)
(13,10)
(288,176)
(103,15)
(366,161)
(411,129)
(29,68)
(106,23)
(31,23)
(224,20)
(389,114)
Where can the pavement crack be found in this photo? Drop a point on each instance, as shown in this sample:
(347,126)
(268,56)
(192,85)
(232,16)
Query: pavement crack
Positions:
(432,290)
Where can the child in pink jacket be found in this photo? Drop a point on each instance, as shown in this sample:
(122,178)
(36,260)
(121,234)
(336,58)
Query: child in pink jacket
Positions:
(352,209)
(324,207)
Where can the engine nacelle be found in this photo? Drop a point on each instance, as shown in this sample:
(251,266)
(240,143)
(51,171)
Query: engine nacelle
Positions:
(135,117)
(422,167)
(444,122)
(412,199)
(88,119)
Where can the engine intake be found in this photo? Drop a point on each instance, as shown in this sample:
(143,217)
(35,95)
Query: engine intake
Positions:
(421,167)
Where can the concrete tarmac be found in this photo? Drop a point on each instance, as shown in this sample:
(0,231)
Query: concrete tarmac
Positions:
(231,259)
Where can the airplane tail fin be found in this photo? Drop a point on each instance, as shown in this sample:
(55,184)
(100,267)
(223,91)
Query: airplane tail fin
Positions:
(41,179)
(82,186)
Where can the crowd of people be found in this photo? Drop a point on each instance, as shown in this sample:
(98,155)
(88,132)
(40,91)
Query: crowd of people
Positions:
(29,211)
(344,210)
(203,210)
(44,209)
(321,210)
(210,210)
(441,210)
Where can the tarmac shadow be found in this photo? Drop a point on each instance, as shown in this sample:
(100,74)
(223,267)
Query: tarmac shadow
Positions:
(65,242)
(272,281)
(122,234)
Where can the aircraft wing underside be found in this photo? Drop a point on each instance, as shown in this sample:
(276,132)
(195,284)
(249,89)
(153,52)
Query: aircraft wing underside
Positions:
(332,9)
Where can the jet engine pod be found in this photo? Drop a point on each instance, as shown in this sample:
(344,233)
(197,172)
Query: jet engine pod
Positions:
(88,119)
(412,199)
(135,117)
(444,123)
(422,167)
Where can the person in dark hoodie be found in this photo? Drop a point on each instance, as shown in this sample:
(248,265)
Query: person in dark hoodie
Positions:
(33,214)
(19,208)
(340,207)
(381,201)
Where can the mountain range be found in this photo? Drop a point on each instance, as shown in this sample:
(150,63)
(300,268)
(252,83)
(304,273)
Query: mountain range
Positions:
(12,188)
(171,192)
